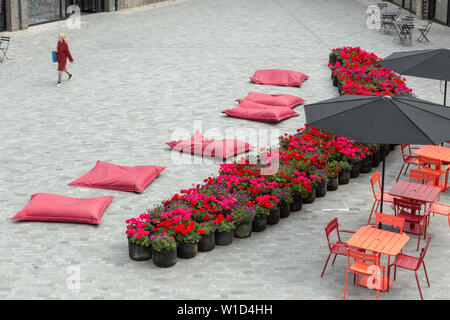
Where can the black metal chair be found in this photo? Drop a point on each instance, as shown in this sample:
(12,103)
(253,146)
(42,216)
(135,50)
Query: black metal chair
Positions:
(387,22)
(382,5)
(405,35)
(4,45)
(424,31)
(408,18)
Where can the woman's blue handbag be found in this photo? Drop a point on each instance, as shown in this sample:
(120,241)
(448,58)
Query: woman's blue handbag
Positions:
(54,58)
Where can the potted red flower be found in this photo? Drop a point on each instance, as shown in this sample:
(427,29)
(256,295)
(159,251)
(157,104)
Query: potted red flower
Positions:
(344,174)
(187,236)
(139,248)
(284,195)
(225,229)
(208,241)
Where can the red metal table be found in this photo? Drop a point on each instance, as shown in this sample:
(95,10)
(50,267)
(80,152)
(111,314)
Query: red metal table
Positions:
(422,193)
(381,241)
(415,191)
(438,153)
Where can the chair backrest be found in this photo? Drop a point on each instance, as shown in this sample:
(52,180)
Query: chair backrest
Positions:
(391,220)
(407,206)
(373,180)
(331,226)
(398,13)
(382,5)
(424,161)
(373,258)
(427,177)
(423,252)
(406,151)
(4,40)
(428,26)
(410,18)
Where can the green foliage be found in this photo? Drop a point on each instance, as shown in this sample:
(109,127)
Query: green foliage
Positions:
(261,211)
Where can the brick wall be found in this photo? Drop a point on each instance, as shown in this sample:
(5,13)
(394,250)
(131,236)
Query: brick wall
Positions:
(12,15)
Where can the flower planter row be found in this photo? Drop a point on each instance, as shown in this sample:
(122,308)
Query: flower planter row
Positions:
(248,195)
(355,71)
(167,258)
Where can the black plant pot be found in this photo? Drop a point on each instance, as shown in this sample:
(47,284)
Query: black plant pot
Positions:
(274,216)
(224,238)
(321,190)
(376,158)
(391,147)
(296,205)
(164,259)
(139,253)
(259,224)
(344,177)
(332,58)
(332,184)
(207,243)
(356,169)
(285,210)
(335,80)
(366,164)
(243,230)
(312,196)
(187,250)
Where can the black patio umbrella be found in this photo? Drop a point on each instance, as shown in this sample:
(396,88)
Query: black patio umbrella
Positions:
(381,120)
(431,64)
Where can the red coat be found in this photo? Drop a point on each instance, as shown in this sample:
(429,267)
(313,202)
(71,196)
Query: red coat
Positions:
(62,53)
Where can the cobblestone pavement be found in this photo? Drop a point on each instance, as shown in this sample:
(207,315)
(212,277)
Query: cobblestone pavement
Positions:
(138,76)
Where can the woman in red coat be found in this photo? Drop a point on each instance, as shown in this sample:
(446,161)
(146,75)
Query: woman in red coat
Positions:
(62,53)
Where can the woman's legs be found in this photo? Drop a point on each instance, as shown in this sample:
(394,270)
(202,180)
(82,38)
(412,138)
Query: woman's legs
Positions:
(60,73)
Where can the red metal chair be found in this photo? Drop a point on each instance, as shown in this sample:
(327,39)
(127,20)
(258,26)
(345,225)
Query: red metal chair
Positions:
(412,263)
(391,220)
(408,158)
(440,170)
(339,247)
(375,179)
(441,209)
(415,223)
(365,264)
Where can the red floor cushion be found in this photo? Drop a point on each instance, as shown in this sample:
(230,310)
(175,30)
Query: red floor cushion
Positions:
(114,177)
(200,145)
(52,207)
(226,148)
(280,100)
(279,77)
(259,112)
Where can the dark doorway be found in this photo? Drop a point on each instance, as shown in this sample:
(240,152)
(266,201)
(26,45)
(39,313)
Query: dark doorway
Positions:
(431,9)
(88,5)
(439,11)
(2,15)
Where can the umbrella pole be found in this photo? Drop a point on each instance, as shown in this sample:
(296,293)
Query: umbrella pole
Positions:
(382,183)
(445,93)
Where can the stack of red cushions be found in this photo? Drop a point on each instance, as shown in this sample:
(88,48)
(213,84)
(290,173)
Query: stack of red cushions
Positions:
(279,100)
(265,107)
